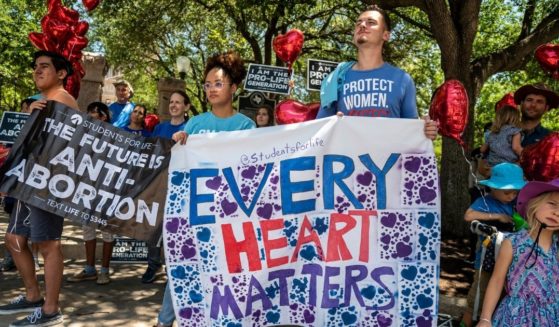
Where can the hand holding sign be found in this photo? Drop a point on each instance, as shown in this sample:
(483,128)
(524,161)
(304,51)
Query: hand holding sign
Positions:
(288,46)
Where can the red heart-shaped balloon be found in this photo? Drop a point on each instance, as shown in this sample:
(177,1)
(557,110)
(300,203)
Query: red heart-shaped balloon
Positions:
(449,106)
(506,100)
(547,56)
(73,85)
(540,161)
(288,46)
(37,40)
(52,4)
(74,45)
(90,4)
(57,31)
(81,28)
(150,121)
(291,111)
(65,15)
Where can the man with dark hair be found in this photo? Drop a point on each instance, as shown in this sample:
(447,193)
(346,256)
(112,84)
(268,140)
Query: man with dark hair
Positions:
(534,100)
(371,87)
(50,71)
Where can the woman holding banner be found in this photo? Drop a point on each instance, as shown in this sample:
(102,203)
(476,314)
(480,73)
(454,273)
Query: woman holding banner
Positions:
(222,76)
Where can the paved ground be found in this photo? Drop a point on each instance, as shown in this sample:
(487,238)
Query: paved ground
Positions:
(123,302)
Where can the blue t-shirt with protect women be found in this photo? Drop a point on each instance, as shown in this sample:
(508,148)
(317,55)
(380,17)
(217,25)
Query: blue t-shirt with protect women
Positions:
(210,123)
(386,91)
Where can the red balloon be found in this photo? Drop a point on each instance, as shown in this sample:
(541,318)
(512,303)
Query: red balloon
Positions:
(4,152)
(150,121)
(506,100)
(74,45)
(449,106)
(90,4)
(52,4)
(540,161)
(288,46)
(78,68)
(547,56)
(291,111)
(37,39)
(73,85)
(57,31)
(65,15)
(81,28)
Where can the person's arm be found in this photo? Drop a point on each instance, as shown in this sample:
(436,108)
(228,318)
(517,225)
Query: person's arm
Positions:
(431,128)
(66,98)
(496,283)
(516,146)
(472,214)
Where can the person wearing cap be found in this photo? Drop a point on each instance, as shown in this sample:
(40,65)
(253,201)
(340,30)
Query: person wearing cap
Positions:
(494,209)
(122,107)
(534,100)
(50,72)
(528,264)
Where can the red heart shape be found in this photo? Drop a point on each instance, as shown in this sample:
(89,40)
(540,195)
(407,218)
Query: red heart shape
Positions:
(37,40)
(65,15)
(547,56)
(73,85)
(288,46)
(449,106)
(81,28)
(57,31)
(540,161)
(506,100)
(291,111)
(74,45)
(90,4)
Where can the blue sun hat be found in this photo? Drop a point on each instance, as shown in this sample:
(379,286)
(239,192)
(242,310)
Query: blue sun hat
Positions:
(505,176)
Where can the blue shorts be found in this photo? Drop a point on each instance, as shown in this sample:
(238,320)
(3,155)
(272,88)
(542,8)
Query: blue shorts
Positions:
(36,224)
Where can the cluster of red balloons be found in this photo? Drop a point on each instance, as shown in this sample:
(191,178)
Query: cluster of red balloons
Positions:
(540,161)
(547,56)
(64,33)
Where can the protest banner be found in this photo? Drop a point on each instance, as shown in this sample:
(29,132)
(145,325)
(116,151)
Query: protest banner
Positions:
(11,125)
(88,171)
(317,70)
(331,222)
(266,78)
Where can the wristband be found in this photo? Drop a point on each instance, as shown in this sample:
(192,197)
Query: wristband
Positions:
(485,320)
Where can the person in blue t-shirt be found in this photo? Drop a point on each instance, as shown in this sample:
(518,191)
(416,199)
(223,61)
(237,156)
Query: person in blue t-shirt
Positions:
(371,87)
(179,105)
(122,107)
(223,75)
(494,209)
(136,125)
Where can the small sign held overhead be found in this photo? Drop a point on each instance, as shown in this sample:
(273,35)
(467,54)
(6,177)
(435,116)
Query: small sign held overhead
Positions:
(317,70)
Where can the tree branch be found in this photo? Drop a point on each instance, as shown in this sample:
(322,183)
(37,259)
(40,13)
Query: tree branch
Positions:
(413,22)
(528,19)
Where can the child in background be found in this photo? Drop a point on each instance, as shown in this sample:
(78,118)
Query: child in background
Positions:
(528,263)
(503,142)
(495,209)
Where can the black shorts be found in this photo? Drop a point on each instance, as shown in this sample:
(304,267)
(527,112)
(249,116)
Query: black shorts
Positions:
(41,225)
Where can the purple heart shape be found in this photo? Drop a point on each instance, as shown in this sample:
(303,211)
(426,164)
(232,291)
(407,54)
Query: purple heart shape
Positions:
(274,179)
(265,211)
(249,172)
(188,251)
(214,183)
(423,322)
(426,194)
(308,316)
(389,220)
(384,321)
(413,165)
(409,185)
(403,250)
(228,207)
(365,179)
(172,225)
(385,239)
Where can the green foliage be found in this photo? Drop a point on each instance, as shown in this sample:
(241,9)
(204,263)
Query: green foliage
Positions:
(17,19)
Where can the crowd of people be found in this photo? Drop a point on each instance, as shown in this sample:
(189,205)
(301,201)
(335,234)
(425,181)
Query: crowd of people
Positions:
(527,260)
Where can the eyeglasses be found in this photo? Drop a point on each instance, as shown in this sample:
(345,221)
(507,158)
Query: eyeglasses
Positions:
(218,85)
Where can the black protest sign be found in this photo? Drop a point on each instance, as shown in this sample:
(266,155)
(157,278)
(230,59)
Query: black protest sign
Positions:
(11,125)
(90,172)
(265,78)
(317,70)
(129,250)
(249,105)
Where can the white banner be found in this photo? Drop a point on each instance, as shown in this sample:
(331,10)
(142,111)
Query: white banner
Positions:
(332,222)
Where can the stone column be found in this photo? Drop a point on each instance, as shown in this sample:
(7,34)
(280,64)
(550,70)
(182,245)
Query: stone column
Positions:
(95,67)
(166,86)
